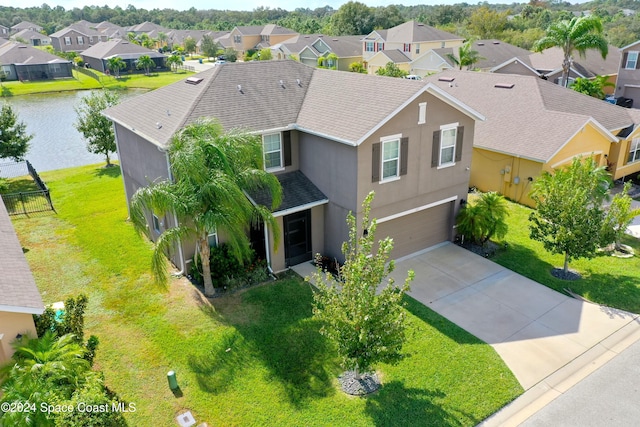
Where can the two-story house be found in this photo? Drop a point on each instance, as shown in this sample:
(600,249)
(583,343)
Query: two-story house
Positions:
(345,49)
(244,38)
(77,37)
(628,83)
(411,144)
(25,25)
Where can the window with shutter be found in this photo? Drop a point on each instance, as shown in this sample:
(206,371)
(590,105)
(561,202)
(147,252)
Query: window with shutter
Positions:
(272,148)
(447,145)
(632,61)
(389,158)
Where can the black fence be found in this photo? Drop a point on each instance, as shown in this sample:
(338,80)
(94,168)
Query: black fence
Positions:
(25,202)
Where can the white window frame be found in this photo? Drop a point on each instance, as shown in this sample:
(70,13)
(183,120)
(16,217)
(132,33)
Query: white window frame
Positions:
(67,41)
(279,150)
(406,47)
(633,61)
(634,151)
(417,48)
(422,113)
(237,39)
(80,40)
(90,39)
(380,46)
(369,46)
(213,234)
(386,141)
(156,224)
(447,128)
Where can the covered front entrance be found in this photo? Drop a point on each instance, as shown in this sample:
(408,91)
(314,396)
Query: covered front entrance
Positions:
(297,237)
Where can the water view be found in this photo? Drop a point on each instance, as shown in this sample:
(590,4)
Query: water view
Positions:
(49,117)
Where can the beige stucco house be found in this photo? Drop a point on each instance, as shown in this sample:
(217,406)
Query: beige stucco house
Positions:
(411,144)
(19,295)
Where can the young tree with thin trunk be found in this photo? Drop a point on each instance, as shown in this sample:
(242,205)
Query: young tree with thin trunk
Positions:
(619,216)
(569,215)
(366,326)
(14,139)
(94,127)
(211,170)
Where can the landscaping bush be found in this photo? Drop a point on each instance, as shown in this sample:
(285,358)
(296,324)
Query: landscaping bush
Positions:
(228,273)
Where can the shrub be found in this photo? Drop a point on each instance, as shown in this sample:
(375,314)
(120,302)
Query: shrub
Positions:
(227,272)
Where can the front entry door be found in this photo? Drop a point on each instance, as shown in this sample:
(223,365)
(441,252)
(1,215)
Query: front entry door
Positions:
(297,238)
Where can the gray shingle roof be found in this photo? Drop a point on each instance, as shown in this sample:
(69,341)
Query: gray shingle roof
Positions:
(18,290)
(535,118)
(344,46)
(249,95)
(496,52)
(396,55)
(589,66)
(117,47)
(413,31)
(297,190)
(20,53)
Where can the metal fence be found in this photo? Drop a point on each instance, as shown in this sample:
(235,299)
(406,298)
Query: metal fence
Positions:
(25,202)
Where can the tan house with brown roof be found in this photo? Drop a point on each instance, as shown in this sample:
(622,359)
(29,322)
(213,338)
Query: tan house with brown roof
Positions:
(19,295)
(533,126)
(411,144)
(244,38)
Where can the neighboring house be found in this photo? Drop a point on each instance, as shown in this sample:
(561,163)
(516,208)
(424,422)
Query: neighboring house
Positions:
(19,295)
(628,83)
(32,38)
(147,27)
(4,32)
(77,37)
(25,25)
(19,61)
(381,58)
(494,52)
(533,126)
(412,38)
(430,62)
(548,65)
(348,50)
(112,31)
(291,47)
(411,143)
(244,38)
(97,56)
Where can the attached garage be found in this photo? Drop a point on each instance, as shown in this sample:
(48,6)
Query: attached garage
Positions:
(416,231)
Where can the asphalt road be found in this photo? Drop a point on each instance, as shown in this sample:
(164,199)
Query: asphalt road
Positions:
(608,397)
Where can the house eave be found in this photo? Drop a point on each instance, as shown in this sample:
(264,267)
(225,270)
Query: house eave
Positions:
(19,309)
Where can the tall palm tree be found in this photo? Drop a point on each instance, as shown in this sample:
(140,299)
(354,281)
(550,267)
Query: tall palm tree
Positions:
(115,64)
(211,171)
(578,34)
(466,56)
(145,62)
(174,61)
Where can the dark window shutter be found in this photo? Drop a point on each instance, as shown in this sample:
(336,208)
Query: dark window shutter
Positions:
(624,59)
(404,155)
(286,146)
(435,149)
(459,138)
(375,162)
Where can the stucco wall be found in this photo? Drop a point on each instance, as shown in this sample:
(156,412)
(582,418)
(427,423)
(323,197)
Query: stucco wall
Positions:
(12,324)
(618,156)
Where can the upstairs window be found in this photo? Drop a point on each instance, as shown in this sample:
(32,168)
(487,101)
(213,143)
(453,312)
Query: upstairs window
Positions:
(67,41)
(80,40)
(380,46)
(272,148)
(390,158)
(237,39)
(406,47)
(634,152)
(632,61)
(447,145)
(369,46)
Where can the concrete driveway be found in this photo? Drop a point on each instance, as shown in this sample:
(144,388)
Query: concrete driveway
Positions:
(536,331)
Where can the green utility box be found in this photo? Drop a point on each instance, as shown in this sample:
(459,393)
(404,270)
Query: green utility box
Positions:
(173,382)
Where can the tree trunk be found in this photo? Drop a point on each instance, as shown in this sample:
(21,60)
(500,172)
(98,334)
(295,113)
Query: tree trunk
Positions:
(566,67)
(108,160)
(205,252)
(566,263)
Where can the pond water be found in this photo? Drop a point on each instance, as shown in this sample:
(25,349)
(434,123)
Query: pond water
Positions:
(56,144)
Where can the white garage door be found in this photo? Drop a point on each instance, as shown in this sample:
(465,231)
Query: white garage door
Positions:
(414,232)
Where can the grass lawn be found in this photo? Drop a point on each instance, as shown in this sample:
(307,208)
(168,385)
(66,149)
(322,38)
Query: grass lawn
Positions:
(254,358)
(607,280)
(83,82)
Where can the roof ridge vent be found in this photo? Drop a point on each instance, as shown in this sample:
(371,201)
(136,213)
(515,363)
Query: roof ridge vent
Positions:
(446,79)
(504,85)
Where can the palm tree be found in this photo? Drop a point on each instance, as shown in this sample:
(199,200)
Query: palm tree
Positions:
(466,56)
(115,64)
(578,34)
(211,171)
(162,39)
(145,62)
(174,61)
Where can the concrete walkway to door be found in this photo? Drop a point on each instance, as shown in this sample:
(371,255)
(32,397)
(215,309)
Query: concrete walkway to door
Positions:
(536,330)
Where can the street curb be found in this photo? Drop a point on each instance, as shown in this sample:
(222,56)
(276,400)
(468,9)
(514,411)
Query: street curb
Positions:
(560,381)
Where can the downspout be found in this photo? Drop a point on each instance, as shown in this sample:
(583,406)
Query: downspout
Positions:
(266,247)
(175,218)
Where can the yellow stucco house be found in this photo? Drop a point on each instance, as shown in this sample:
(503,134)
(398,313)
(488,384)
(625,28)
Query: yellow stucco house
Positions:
(19,295)
(533,126)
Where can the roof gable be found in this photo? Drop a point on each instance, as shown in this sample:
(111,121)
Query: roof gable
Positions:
(412,32)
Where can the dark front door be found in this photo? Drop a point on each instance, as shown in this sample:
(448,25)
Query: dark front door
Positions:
(257,240)
(297,238)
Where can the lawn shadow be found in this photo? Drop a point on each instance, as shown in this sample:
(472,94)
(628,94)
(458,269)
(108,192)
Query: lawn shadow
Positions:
(272,325)
(396,405)
(112,171)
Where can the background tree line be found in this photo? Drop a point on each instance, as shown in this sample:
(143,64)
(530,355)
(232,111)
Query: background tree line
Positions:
(518,24)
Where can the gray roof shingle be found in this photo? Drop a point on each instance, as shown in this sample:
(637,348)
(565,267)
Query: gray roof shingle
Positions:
(19,53)
(18,290)
(412,31)
(117,47)
(297,190)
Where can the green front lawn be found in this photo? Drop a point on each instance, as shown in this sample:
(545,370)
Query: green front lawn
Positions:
(84,82)
(254,358)
(614,282)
